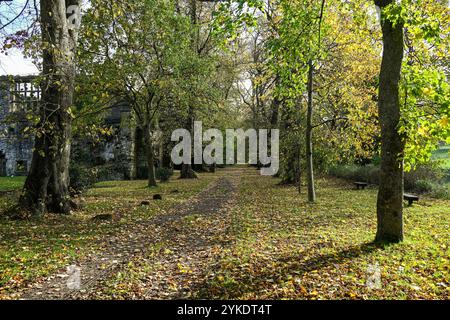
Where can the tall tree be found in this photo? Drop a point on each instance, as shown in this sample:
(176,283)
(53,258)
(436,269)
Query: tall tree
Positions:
(203,68)
(138,55)
(47,184)
(186,168)
(390,193)
(308,135)
(300,53)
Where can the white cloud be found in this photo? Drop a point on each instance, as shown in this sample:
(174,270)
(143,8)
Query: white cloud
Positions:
(16,64)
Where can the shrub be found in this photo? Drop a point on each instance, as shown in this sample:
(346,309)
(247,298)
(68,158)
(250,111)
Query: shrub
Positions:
(373,174)
(163,174)
(82,177)
(109,172)
(429,172)
(440,192)
(423,186)
(434,190)
(429,178)
(369,173)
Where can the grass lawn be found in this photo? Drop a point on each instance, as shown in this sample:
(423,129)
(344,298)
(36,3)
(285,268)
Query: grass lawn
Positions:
(443,154)
(285,248)
(11,183)
(281,247)
(31,249)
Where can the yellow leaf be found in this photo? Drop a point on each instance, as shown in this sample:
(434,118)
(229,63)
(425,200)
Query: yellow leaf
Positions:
(444,121)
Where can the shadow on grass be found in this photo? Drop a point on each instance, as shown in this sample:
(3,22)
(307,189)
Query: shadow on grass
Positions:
(290,264)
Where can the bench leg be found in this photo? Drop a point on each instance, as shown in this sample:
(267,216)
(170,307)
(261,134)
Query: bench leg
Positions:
(410,202)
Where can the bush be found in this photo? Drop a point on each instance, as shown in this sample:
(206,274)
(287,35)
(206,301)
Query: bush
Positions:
(369,173)
(428,172)
(423,186)
(110,172)
(163,174)
(440,192)
(434,190)
(429,178)
(82,177)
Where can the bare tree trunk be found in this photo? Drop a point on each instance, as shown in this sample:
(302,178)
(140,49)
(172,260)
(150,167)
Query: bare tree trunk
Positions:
(299,171)
(187,172)
(275,110)
(160,153)
(390,194)
(47,184)
(308,138)
(150,156)
(186,169)
(160,143)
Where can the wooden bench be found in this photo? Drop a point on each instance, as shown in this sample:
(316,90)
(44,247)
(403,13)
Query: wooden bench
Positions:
(360,185)
(410,198)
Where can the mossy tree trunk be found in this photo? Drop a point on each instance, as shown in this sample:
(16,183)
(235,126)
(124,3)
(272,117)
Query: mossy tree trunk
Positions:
(390,194)
(47,185)
(308,136)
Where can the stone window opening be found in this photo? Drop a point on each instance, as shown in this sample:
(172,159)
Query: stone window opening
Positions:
(21,166)
(24,95)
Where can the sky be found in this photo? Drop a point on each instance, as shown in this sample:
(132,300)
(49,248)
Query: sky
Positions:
(14,63)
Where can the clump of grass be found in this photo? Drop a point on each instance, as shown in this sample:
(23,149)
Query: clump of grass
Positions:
(11,183)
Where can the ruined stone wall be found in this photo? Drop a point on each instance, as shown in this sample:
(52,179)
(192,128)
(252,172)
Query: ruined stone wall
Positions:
(119,156)
(119,150)
(15,147)
(113,155)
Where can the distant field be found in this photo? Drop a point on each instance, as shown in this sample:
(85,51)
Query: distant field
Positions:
(443,154)
(11,183)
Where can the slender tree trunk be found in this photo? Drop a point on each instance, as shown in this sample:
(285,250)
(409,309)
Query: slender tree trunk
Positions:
(299,170)
(308,138)
(160,144)
(186,169)
(47,184)
(150,156)
(160,153)
(187,172)
(275,110)
(390,194)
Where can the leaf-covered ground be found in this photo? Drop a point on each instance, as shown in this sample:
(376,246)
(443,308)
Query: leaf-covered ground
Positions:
(280,247)
(286,248)
(245,237)
(31,250)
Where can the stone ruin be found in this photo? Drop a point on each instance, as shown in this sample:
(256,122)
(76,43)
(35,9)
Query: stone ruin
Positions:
(122,152)
(15,147)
